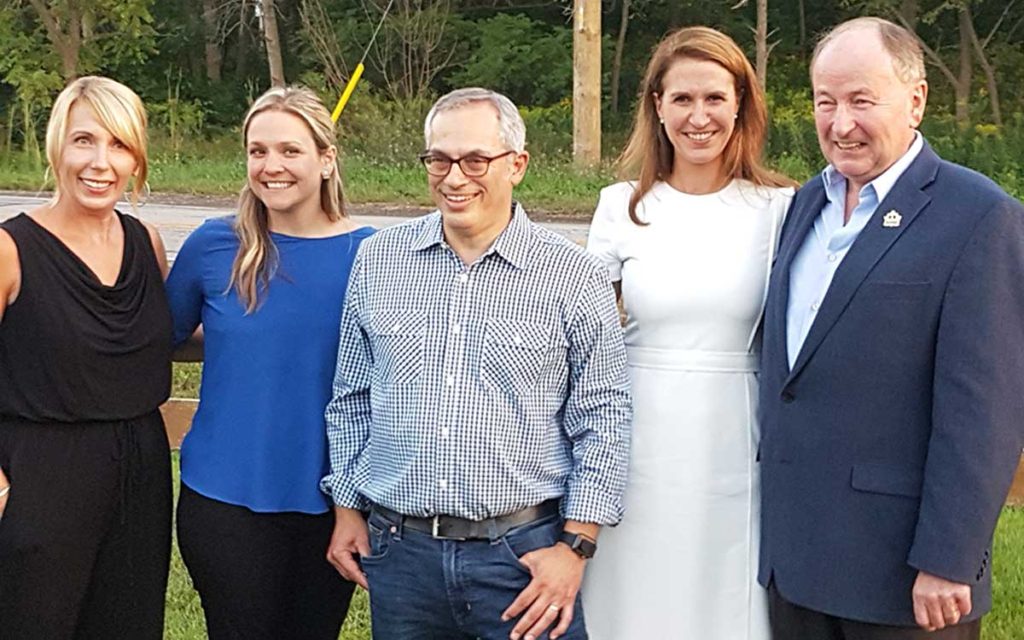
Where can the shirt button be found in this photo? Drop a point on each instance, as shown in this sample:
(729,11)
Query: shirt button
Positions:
(456,328)
(518,340)
(814,307)
(463,278)
(450,381)
(832,257)
(444,432)
(442,483)
(397,327)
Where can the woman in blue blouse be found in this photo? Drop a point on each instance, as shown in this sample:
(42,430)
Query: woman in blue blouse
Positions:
(267,287)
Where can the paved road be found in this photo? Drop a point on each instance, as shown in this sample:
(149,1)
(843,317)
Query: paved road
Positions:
(176,221)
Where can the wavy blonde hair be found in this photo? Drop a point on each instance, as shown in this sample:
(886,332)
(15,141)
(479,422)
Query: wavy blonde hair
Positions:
(118,109)
(256,260)
(649,153)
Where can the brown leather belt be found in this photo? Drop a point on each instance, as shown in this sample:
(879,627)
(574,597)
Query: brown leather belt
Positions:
(452,528)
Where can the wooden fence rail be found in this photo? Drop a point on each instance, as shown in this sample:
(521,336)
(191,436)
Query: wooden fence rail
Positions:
(178,414)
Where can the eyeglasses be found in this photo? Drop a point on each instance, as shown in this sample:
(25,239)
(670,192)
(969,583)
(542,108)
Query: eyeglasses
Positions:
(472,166)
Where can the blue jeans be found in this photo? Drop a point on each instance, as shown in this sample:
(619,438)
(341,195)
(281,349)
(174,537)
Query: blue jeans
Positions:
(422,588)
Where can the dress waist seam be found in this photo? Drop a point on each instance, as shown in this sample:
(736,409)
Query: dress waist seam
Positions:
(687,360)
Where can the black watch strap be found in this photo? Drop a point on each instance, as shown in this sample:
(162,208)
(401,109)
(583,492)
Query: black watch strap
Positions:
(581,545)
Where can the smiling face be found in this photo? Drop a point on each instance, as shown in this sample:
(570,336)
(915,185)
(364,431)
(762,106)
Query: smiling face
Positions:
(94,166)
(480,206)
(285,168)
(698,105)
(864,114)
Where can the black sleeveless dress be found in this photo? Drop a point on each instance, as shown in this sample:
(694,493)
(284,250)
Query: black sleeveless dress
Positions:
(84,367)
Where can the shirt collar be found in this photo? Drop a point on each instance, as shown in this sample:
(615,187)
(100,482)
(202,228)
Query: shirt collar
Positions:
(883,183)
(512,244)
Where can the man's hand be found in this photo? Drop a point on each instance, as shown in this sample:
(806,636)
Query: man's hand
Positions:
(350,538)
(551,595)
(938,602)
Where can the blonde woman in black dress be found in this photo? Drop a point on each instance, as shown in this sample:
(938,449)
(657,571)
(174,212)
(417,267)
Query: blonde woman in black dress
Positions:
(84,365)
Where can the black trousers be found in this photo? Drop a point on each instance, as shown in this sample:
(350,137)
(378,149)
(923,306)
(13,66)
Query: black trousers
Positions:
(793,622)
(261,575)
(85,539)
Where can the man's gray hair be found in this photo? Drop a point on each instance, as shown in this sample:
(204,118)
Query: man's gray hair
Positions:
(900,43)
(512,129)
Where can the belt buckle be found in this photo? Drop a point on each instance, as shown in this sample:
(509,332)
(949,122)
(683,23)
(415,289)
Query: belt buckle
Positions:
(435,530)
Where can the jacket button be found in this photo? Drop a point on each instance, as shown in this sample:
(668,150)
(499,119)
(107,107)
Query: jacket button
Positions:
(787,397)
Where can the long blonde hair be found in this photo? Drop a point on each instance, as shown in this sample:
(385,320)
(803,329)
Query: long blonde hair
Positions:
(118,109)
(256,260)
(649,153)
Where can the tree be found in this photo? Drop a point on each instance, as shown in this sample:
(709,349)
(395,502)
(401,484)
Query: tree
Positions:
(620,45)
(272,41)
(97,30)
(213,56)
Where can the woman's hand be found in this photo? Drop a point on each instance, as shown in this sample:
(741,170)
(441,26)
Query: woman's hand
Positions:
(5,488)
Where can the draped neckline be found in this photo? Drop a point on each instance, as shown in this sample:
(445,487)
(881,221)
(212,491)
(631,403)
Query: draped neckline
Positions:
(87,272)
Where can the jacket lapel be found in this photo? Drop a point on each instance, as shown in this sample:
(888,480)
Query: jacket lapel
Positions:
(809,202)
(908,199)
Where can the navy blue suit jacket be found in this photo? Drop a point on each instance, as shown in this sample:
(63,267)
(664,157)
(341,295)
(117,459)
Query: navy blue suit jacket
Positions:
(891,444)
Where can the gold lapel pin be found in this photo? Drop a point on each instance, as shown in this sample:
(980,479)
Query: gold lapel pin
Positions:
(892,219)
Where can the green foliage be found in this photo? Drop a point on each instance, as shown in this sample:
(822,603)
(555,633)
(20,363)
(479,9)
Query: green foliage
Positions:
(525,59)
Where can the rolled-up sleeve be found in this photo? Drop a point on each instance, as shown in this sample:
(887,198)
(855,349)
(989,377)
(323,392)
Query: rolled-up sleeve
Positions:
(598,410)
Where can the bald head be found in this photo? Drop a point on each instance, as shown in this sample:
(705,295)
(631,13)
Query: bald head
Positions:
(901,45)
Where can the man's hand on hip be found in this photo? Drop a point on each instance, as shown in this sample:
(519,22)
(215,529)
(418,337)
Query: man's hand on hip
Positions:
(349,540)
(939,603)
(551,595)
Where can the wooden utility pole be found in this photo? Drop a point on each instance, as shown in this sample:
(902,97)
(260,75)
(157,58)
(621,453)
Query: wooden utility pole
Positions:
(586,83)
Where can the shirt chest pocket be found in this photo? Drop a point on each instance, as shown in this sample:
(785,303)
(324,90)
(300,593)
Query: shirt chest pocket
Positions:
(515,354)
(398,339)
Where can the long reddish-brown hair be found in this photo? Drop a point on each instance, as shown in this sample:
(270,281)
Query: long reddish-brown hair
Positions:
(649,154)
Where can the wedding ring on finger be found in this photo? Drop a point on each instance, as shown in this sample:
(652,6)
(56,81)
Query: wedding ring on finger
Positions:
(554,607)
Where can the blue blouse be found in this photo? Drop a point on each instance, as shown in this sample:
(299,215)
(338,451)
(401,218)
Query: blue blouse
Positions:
(258,439)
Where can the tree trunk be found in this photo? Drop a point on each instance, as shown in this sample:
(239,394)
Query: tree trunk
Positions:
(242,50)
(761,42)
(990,76)
(67,44)
(963,85)
(620,44)
(908,11)
(214,57)
(273,43)
(586,94)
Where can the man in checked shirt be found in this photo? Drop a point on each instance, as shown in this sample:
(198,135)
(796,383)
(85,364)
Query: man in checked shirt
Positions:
(481,407)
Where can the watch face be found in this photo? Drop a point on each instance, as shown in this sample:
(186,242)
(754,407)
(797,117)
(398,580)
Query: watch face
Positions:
(583,547)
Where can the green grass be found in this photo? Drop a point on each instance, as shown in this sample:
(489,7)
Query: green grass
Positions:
(551,186)
(1006,622)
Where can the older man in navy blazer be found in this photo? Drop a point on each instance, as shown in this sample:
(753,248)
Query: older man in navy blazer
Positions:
(892,390)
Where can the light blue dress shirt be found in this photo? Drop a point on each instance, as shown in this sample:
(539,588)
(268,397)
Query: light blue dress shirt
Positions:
(827,244)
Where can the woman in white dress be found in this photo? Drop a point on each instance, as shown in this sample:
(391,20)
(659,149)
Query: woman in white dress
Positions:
(689,245)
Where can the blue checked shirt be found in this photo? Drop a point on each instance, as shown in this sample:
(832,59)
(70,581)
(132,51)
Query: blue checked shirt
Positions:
(478,391)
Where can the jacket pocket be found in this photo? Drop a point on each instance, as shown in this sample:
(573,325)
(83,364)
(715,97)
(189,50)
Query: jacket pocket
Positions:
(887,479)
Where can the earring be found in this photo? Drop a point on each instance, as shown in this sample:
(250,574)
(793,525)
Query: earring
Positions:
(735,115)
(661,120)
(326,173)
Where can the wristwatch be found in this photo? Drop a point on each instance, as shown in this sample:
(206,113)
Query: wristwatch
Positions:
(581,545)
